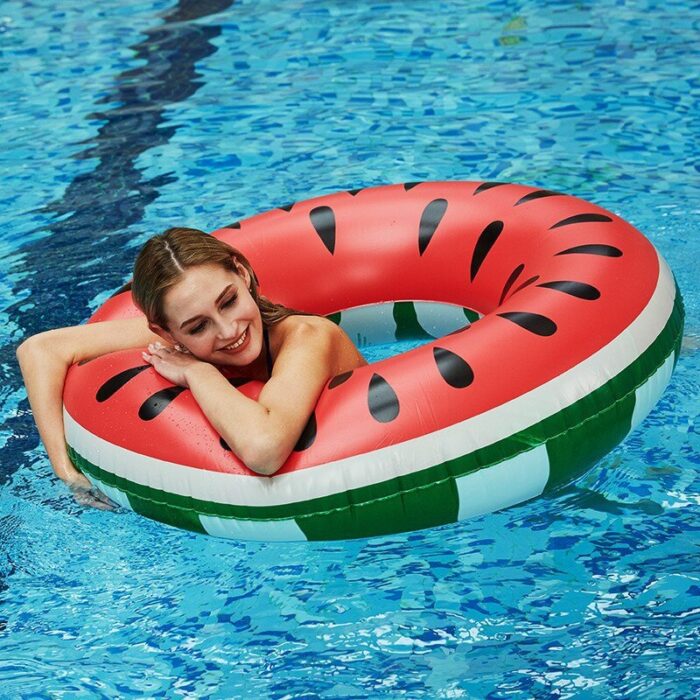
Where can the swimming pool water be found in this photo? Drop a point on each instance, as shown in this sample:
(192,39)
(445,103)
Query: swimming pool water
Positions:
(120,119)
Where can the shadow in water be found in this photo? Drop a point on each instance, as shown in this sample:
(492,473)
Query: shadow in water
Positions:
(579,497)
(91,218)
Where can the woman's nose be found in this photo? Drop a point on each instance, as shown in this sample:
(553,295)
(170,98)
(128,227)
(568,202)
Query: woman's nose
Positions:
(223,328)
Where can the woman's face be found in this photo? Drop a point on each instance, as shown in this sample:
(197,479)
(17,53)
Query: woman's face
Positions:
(212,313)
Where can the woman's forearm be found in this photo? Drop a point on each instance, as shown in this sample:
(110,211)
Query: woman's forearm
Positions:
(44,372)
(262,432)
(244,423)
(44,360)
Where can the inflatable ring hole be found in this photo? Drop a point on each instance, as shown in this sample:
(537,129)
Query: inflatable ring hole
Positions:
(396,322)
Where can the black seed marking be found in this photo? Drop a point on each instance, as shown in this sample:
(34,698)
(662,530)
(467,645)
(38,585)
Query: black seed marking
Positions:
(224,444)
(429,221)
(238,381)
(593,249)
(354,192)
(339,379)
(539,194)
(486,240)
(323,220)
(235,224)
(287,207)
(582,219)
(526,283)
(308,435)
(382,400)
(487,186)
(509,282)
(580,290)
(453,368)
(112,385)
(410,185)
(539,325)
(124,288)
(154,405)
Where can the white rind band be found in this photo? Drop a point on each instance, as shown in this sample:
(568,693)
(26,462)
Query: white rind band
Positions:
(504,484)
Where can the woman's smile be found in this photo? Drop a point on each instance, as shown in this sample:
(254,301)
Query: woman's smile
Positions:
(239,344)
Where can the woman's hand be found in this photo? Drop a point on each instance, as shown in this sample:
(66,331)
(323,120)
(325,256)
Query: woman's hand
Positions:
(87,495)
(170,363)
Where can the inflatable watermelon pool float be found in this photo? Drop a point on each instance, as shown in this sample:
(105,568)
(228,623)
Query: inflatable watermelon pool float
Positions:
(579,326)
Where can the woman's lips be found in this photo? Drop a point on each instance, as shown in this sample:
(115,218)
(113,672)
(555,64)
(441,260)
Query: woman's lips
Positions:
(239,344)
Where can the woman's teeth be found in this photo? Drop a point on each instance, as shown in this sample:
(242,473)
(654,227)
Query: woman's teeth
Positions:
(238,343)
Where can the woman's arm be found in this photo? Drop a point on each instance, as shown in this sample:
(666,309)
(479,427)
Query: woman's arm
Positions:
(44,360)
(262,433)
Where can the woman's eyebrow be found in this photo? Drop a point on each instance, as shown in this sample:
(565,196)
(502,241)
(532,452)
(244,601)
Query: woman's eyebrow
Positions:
(218,299)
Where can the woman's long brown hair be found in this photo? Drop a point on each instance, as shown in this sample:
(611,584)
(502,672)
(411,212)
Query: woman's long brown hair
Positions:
(164,258)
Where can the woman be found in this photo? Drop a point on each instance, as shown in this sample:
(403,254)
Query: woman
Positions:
(200,296)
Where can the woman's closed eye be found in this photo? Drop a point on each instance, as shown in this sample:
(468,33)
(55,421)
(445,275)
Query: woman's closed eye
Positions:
(200,326)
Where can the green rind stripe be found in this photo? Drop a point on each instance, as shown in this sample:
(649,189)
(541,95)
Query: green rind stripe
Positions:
(427,505)
(186,518)
(575,437)
(471,315)
(407,325)
(179,511)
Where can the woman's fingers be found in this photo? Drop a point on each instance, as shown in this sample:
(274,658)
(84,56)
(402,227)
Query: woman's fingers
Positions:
(169,362)
(100,501)
(91,496)
(157,348)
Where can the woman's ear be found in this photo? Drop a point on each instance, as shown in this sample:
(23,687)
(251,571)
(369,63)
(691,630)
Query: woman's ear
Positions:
(162,332)
(244,274)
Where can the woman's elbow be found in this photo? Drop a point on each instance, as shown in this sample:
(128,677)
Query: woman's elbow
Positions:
(34,346)
(264,457)
(46,346)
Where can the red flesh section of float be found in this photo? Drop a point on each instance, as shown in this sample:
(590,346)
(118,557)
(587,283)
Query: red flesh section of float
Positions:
(380,248)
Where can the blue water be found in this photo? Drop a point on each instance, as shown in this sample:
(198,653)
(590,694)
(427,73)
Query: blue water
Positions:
(122,118)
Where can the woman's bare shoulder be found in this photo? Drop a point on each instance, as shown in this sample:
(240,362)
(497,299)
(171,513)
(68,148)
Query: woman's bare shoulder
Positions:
(291,323)
(345,355)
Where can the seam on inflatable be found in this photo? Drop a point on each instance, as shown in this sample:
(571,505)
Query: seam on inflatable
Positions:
(452,476)
(421,487)
(677,311)
(673,321)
